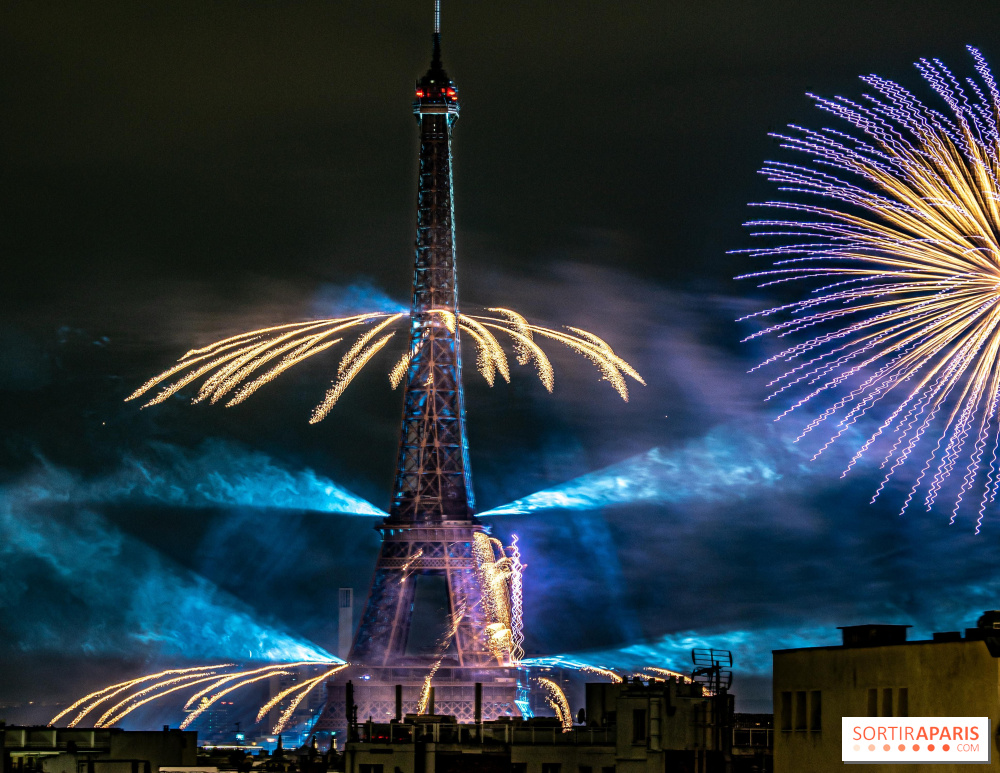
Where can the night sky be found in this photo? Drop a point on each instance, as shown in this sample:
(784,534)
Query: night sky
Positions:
(173,173)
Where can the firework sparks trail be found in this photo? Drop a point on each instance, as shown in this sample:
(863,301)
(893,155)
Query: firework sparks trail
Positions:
(187,679)
(232,677)
(574,665)
(208,702)
(484,357)
(240,365)
(521,326)
(556,698)
(334,393)
(516,601)
(442,648)
(425,691)
(660,673)
(304,690)
(105,693)
(360,344)
(111,721)
(494,582)
(901,245)
(405,572)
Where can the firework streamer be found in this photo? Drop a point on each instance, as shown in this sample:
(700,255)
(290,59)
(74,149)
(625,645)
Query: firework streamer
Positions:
(242,674)
(321,410)
(494,584)
(304,689)
(188,679)
(105,693)
(574,665)
(897,239)
(208,702)
(516,601)
(242,364)
(111,721)
(556,698)
(362,342)
(442,648)
(405,572)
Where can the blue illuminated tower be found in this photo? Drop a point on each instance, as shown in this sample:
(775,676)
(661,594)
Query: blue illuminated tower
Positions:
(427,539)
(431,524)
(433,482)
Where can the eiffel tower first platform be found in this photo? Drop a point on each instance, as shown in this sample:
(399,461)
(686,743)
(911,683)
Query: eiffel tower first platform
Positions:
(426,614)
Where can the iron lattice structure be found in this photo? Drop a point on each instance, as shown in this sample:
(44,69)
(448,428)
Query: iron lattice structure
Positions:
(433,481)
(431,525)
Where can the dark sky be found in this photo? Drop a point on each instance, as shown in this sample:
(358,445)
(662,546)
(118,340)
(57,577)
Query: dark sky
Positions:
(171,173)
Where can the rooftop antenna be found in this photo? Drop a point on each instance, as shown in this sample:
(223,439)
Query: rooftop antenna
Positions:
(437,17)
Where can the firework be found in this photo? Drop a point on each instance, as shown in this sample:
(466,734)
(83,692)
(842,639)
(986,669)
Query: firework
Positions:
(186,679)
(109,721)
(405,572)
(494,583)
(556,698)
(304,690)
(516,601)
(238,674)
(234,368)
(111,691)
(155,686)
(899,244)
(660,673)
(207,702)
(574,665)
(442,648)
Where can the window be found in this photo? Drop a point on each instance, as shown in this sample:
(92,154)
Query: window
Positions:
(887,702)
(551,767)
(638,725)
(800,710)
(815,710)
(519,767)
(364,768)
(872,702)
(608,769)
(585,769)
(786,711)
(903,703)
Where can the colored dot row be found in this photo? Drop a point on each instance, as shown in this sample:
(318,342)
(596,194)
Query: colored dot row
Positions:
(902,747)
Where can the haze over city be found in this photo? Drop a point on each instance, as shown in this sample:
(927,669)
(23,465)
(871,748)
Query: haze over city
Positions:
(176,174)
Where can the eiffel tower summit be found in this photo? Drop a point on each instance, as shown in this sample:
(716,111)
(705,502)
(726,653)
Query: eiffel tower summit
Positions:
(429,621)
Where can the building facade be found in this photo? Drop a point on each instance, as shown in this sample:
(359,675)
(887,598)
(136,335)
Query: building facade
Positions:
(86,750)
(635,727)
(877,672)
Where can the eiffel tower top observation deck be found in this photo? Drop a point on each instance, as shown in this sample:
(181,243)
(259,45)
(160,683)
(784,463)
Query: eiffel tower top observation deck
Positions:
(433,482)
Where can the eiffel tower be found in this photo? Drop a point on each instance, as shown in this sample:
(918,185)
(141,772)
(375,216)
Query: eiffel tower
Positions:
(428,538)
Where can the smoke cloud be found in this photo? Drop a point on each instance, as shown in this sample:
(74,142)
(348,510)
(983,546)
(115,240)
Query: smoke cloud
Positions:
(218,473)
(72,582)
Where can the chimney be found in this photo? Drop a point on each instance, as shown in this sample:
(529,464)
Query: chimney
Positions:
(345,622)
